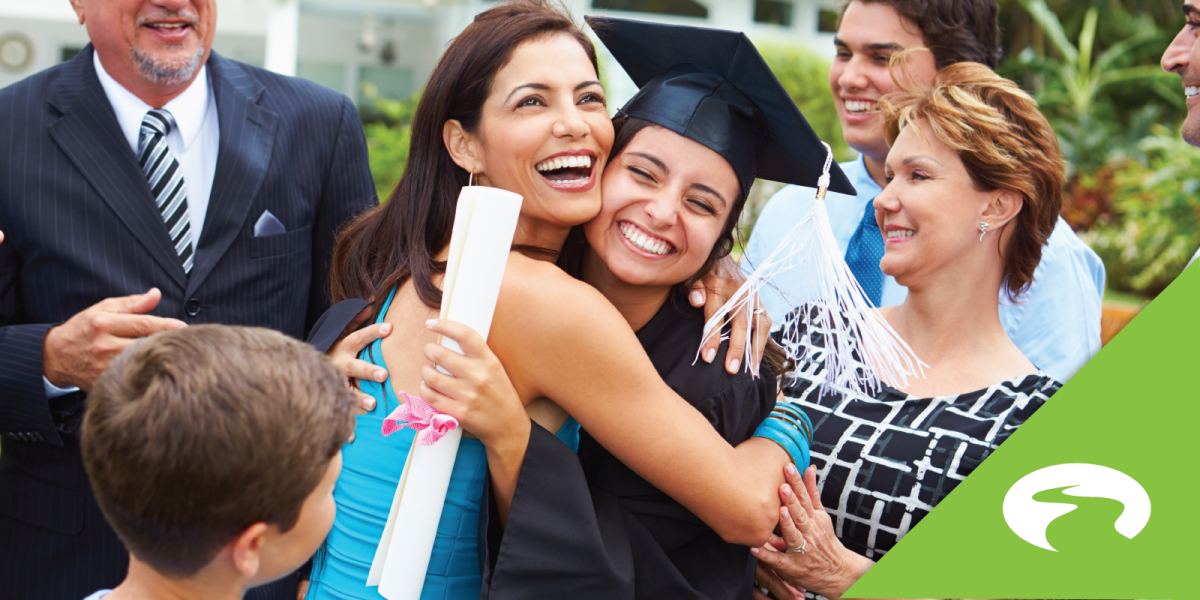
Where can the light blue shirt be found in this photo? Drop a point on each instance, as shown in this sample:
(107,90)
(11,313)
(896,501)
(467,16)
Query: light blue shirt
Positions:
(1056,322)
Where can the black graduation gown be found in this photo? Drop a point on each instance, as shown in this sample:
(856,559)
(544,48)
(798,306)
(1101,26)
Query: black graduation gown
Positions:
(586,526)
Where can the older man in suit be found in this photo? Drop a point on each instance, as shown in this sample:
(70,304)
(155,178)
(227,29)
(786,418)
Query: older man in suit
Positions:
(147,162)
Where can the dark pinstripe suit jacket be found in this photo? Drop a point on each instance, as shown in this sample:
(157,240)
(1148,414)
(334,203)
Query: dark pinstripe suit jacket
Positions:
(81,226)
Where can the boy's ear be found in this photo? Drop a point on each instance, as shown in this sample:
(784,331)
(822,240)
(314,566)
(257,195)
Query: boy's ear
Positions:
(246,549)
(463,147)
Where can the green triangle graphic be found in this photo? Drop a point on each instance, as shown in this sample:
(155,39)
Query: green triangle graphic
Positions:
(1134,408)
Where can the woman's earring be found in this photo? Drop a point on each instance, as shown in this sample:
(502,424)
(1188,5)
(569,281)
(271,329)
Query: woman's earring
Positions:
(471,179)
(983,225)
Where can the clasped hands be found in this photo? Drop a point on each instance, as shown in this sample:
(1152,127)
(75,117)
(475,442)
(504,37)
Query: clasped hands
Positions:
(807,554)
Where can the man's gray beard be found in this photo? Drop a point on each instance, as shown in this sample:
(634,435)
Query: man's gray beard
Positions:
(165,73)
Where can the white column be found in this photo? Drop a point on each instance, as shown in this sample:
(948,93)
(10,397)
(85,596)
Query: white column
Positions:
(283,36)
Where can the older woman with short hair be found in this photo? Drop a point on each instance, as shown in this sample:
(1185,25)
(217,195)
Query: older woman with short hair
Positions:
(974,189)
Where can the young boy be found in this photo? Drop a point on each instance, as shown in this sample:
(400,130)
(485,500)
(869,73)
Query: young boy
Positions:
(213,452)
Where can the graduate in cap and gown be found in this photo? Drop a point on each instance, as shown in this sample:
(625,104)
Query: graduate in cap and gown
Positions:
(586,525)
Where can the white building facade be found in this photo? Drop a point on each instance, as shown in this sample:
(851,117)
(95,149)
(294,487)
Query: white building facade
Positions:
(392,45)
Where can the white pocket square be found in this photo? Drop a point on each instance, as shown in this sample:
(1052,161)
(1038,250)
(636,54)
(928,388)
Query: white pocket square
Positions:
(267,225)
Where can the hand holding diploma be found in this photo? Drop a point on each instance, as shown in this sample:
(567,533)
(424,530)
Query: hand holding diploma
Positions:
(484,223)
(477,392)
(480,395)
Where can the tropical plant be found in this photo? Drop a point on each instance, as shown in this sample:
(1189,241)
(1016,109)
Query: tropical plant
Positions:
(1076,87)
(1154,227)
(1083,76)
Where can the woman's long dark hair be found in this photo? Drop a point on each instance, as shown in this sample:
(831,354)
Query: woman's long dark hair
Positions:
(395,241)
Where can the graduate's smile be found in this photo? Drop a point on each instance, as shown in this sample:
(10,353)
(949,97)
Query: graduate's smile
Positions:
(570,171)
(644,243)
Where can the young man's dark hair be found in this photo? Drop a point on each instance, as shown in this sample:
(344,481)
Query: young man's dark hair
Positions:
(954,30)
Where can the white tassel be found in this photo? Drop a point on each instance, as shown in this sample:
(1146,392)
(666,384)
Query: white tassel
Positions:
(812,263)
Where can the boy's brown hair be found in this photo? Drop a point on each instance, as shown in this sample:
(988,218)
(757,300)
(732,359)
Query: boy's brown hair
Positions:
(193,435)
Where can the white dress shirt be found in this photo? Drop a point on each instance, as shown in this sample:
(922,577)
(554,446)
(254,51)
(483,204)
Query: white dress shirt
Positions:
(193,141)
(1055,323)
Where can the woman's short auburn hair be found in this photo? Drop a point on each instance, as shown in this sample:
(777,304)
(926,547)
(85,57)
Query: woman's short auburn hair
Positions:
(1003,140)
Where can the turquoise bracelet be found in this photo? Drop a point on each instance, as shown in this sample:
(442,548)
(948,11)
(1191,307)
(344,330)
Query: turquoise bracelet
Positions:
(789,427)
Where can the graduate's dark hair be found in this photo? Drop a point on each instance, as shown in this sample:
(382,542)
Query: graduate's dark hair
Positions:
(399,239)
(954,30)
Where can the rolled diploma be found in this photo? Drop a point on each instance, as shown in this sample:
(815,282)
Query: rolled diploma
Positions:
(484,223)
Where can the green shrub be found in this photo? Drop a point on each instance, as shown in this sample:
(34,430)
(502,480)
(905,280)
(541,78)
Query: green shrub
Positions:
(1155,225)
(388,126)
(805,76)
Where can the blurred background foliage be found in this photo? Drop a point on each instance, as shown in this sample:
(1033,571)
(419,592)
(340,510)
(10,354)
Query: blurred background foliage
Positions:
(1133,188)
(388,125)
(1131,191)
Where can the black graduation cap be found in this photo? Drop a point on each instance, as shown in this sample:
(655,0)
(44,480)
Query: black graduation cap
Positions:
(712,86)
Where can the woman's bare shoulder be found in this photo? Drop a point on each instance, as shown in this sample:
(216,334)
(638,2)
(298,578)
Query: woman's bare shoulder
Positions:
(548,323)
(546,290)
(542,307)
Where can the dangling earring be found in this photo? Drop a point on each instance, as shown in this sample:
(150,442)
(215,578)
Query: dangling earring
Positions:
(471,179)
(983,225)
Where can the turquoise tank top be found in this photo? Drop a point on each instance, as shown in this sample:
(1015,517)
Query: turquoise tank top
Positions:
(371,469)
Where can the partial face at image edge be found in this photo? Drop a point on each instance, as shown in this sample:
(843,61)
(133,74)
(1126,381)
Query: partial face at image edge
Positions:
(1183,58)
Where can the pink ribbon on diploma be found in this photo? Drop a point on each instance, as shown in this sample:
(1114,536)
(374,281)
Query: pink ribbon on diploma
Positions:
(417,414)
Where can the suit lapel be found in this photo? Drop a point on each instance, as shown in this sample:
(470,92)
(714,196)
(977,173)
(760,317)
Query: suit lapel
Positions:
(88,133)
(247,133)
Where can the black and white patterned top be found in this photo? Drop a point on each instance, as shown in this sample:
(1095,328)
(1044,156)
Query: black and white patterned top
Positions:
(884,462)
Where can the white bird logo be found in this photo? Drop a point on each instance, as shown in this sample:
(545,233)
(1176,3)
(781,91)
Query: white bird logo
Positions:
(1029,518)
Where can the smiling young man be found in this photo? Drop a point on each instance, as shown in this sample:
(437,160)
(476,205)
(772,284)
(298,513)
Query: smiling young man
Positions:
(147,162)
(1057,322)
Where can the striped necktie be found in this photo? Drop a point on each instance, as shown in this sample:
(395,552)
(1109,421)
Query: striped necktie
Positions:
(864,253)
(166,181)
